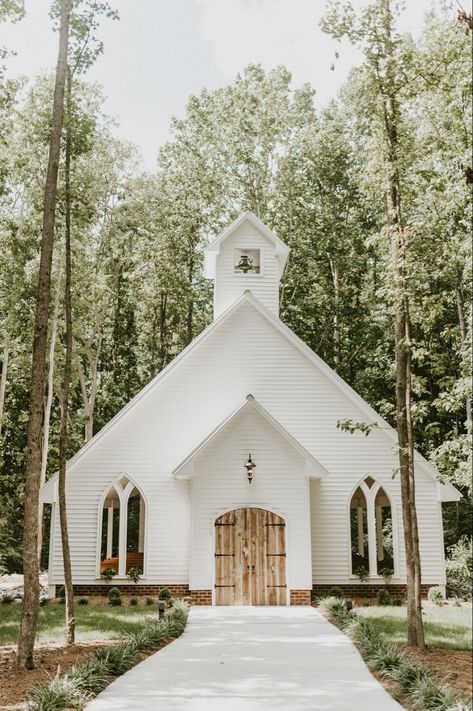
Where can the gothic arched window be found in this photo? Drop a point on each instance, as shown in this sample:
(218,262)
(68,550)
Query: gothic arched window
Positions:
(372,535)
(122,528)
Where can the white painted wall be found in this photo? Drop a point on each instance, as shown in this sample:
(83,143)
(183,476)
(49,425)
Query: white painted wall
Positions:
(230,286)
(220,484)
(244,354)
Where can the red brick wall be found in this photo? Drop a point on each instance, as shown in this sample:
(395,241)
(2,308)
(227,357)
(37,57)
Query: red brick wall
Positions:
(131,589)
(367,590)
(300,597)
(201,597)
(198,597)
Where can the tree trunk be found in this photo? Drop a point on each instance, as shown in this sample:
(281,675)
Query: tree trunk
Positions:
(162,329)
(47,409)
(190,307)
(66,382)
(462,327)
(30,607)
(335,269)
(415,628)
(3,379)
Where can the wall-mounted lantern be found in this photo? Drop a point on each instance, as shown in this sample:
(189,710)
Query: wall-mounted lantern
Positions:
(250,466)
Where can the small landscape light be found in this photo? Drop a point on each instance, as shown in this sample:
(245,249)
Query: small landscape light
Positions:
(161,607)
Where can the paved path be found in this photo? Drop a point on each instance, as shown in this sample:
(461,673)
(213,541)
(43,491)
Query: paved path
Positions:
(251,659)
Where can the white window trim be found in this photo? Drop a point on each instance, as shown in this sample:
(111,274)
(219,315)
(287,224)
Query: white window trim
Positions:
(123,496)
(370,496)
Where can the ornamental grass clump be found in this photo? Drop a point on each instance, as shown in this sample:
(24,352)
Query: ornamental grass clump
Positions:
(76,687)
(415,679)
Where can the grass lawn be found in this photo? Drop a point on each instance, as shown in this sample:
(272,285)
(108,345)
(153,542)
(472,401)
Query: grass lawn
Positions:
(93,622)
(446,627)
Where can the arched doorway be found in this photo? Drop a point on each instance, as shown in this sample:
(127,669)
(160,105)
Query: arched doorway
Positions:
(250,558)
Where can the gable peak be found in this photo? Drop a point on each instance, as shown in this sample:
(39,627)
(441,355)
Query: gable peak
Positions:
(246,256)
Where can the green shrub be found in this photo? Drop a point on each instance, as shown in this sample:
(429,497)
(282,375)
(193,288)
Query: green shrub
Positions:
(334,607)
(62,600)
(6,598)
(435,595)
(108,574)
(397,602)
(362,574)
(149,601)
(133,601)
(83,601)
(386,574)
(61,592)
(459,568)
(335,592)
(165,594)
(134,574)
(44,601)
(114,596)
(383,597)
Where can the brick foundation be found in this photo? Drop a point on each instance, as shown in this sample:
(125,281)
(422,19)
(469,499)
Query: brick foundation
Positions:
(367,590)
(198,597)
(201,597)
(300,597)
(127,589)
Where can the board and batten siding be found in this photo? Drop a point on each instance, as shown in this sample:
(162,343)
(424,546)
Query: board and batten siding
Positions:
(229,286)
(244,354)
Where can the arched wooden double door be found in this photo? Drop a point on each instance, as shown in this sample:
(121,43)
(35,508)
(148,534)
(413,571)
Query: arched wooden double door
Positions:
(250,558)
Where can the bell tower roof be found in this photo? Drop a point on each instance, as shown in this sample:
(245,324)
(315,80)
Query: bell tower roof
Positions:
(246,256)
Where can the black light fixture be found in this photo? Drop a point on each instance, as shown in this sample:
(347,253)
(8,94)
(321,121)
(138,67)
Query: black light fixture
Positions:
(249,466)
(245,264)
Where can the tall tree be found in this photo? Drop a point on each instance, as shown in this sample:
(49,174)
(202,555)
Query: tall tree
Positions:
(386,63)
(30,607)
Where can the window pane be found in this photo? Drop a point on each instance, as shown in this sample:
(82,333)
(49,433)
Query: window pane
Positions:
(384,532)
(359,531)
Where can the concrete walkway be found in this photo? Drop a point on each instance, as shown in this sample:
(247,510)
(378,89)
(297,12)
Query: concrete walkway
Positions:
(251,659)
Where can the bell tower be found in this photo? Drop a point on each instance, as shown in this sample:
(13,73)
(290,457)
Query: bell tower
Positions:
(246,256)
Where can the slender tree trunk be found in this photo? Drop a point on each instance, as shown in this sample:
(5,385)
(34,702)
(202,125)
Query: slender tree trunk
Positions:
(190,307)
(335,269)
(30,607)
(3,378)
(47,409)
(415,628)
(162,329)
(462,327)
(63,430)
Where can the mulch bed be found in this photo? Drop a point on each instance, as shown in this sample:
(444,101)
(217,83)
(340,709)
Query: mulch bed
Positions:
(450,666)
(47,659)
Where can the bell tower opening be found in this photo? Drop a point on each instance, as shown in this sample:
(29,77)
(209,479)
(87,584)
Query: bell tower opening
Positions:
(246,256)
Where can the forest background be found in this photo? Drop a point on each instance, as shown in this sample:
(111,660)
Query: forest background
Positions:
(316,176)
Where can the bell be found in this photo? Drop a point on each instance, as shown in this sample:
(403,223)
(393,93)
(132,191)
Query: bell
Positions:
(245,263)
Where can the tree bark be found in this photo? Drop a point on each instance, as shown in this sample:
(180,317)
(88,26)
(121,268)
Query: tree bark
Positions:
(462,327)
(415,632)
(335,269)
(66,382)
(30,607)
(3,378)
(47,409)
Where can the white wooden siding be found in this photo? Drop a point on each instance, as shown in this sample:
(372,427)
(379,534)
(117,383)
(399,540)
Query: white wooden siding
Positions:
(229,286)
(220,484)
(245,354)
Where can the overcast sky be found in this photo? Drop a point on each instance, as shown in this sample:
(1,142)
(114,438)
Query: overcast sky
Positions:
(161,51)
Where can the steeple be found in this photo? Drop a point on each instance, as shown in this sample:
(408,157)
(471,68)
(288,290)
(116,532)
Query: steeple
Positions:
(247,255)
